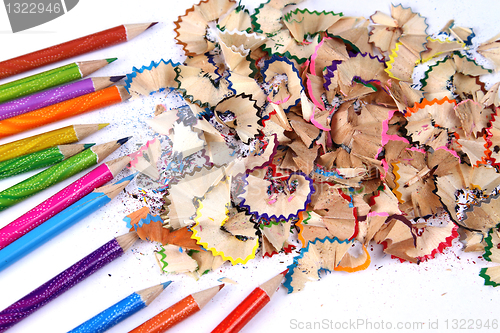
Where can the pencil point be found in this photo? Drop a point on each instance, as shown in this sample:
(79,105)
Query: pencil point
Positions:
(166,284)
(149,294)
(88,145)
(101,126)
(116,78)
(123,141)
(203,297)
(152,24)
(110,60)
(128,178)
(127,240)
(270,286)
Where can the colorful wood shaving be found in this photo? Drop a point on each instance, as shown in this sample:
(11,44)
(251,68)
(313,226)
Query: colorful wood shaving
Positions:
(349,130)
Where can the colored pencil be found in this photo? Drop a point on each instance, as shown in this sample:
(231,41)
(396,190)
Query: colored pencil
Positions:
(61,136)
(178,312)
(54,77)
(60,222)
(61,200)
(56,174)
(55,95)
(65,280)
(250,306)
(72,48)
(121,310)
(63,110)
(40,159)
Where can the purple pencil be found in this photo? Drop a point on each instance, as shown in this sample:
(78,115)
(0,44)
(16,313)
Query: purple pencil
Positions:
(55,95)
(65,280)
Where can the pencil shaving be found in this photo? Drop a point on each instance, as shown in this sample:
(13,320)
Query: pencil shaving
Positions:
(319,121)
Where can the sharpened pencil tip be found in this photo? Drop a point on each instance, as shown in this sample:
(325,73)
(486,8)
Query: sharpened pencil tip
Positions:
(101,126)
(110,60)
(128,178)
(151,25)
(123,141)
(88,145)
(284,272)
(116,78)
(166,284)
(221,286)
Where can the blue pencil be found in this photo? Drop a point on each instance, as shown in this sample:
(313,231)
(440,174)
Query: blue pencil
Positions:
(62,221)
(121,310)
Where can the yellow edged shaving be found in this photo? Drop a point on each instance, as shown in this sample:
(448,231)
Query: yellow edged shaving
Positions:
(401,63)
(436,47)
(211,214)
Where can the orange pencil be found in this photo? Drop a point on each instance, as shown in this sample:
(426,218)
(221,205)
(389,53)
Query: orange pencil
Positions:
(250,306)
(178,312)
(63,110)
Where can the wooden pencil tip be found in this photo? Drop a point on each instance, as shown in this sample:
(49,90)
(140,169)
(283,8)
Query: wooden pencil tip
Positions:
(101,126)
(116,78)
(152,24)
(110,60)
(124,94)
(166,284)
(104,150)
(149,294)
(117,165)
(88,145)
(270,286)
(127,240)
(203,297)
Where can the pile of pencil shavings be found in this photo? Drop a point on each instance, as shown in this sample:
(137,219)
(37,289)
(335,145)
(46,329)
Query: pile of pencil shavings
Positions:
(311,120)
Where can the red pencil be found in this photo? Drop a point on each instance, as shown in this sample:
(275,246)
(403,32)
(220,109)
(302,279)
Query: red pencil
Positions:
(178,312)
(250,306)
(99,40)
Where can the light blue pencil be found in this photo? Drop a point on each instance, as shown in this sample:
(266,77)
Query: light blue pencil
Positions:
(62,221)
(121,310)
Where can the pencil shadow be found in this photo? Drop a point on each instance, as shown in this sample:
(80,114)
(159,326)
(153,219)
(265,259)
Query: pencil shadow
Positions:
(27,32)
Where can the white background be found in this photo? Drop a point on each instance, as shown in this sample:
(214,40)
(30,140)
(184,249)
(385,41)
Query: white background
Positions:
(445,288)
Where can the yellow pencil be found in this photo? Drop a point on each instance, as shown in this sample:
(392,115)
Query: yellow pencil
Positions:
(61,136)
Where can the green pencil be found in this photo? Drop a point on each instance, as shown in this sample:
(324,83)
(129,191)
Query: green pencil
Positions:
(54,77)
(40,159)
(57,173)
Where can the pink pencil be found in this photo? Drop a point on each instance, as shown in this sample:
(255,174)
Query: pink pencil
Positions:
(61,200)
